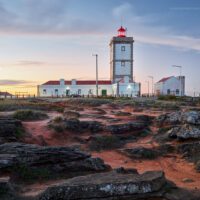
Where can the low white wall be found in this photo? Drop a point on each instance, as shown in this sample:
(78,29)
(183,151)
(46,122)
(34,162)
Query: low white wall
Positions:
(73,89)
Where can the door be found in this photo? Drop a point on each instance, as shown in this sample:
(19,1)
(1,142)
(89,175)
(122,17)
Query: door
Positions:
(104,92)
(67,92)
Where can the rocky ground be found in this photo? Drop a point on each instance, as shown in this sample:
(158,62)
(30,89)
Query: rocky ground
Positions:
(99,149)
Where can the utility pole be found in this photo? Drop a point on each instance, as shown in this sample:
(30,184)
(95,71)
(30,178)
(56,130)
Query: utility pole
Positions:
(151,77)
(96,55)
(148,87)
(180,68)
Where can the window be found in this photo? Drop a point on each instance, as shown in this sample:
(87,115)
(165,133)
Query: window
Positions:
(44,91)
(177,91)
(123,48)
(122,63)
(90,91)
(56,91)
(168,91)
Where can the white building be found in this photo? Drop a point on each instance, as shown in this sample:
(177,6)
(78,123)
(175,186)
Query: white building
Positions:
(171,86)
(121,75)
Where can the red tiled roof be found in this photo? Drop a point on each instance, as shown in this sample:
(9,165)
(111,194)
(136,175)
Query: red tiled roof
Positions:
(164,79)
(83,82)
(100,82)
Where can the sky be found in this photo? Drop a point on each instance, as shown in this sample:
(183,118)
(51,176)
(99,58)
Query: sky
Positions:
(43,40)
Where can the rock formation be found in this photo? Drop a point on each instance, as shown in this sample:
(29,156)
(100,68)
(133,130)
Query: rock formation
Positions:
(33,161)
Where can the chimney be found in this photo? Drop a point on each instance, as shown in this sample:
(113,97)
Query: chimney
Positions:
(62,82)
(73,81)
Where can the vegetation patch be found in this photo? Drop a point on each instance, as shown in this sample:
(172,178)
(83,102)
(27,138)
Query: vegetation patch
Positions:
(120,113)
(141,153)
(89,101)
(71,114)
(29,104)
(99,143)
(30,174)
(29,115)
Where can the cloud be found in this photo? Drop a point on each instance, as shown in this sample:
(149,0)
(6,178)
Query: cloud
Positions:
(185,8)
(120,10)
(9,82)
(54,17)
(44,17)
(145,32)
(30,63)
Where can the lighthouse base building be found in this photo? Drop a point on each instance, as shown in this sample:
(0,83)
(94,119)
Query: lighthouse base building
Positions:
(121,81)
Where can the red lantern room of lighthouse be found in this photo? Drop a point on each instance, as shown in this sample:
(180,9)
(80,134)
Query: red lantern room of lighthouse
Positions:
(121,32)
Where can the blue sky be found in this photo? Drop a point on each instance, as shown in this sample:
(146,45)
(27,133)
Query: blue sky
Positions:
(44,40)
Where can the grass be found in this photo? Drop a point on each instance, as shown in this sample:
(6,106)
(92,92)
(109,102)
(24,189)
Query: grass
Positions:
(141,153)
(22,104)
(29,115)
(105,143)
(20,132)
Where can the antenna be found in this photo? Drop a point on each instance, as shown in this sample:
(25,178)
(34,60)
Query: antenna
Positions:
(121,21)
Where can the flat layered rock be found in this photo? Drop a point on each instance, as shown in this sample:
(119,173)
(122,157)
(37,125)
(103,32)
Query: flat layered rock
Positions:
(51,160)
(126,127)
(6,190)
(106,185)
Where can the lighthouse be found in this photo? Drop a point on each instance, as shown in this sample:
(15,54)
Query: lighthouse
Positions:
(121,57)
(121,72)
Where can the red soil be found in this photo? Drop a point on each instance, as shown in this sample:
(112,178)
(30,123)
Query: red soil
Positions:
(39,133)
(175,168)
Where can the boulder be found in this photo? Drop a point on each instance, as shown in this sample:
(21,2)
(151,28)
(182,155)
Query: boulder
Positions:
(192,117)
(110,185)
(169,118)
(179,117)
(32,160)
(185,132)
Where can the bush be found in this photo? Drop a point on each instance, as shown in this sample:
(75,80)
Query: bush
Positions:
(71,115)
(141,153)
(26,115)
(58,119)
(58,128)
(105,143)
(167,97)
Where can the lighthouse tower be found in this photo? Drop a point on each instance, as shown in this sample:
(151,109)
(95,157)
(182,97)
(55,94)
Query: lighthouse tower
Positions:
(121,58)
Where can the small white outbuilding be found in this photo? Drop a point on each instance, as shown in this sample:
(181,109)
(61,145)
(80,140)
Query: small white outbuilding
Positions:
(171,86)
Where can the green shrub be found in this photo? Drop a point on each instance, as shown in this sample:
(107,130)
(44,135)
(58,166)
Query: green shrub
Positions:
(141,153)
(167,97)
(58,128)
(26,115)
(105,143)
(58,119)
(20,132)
